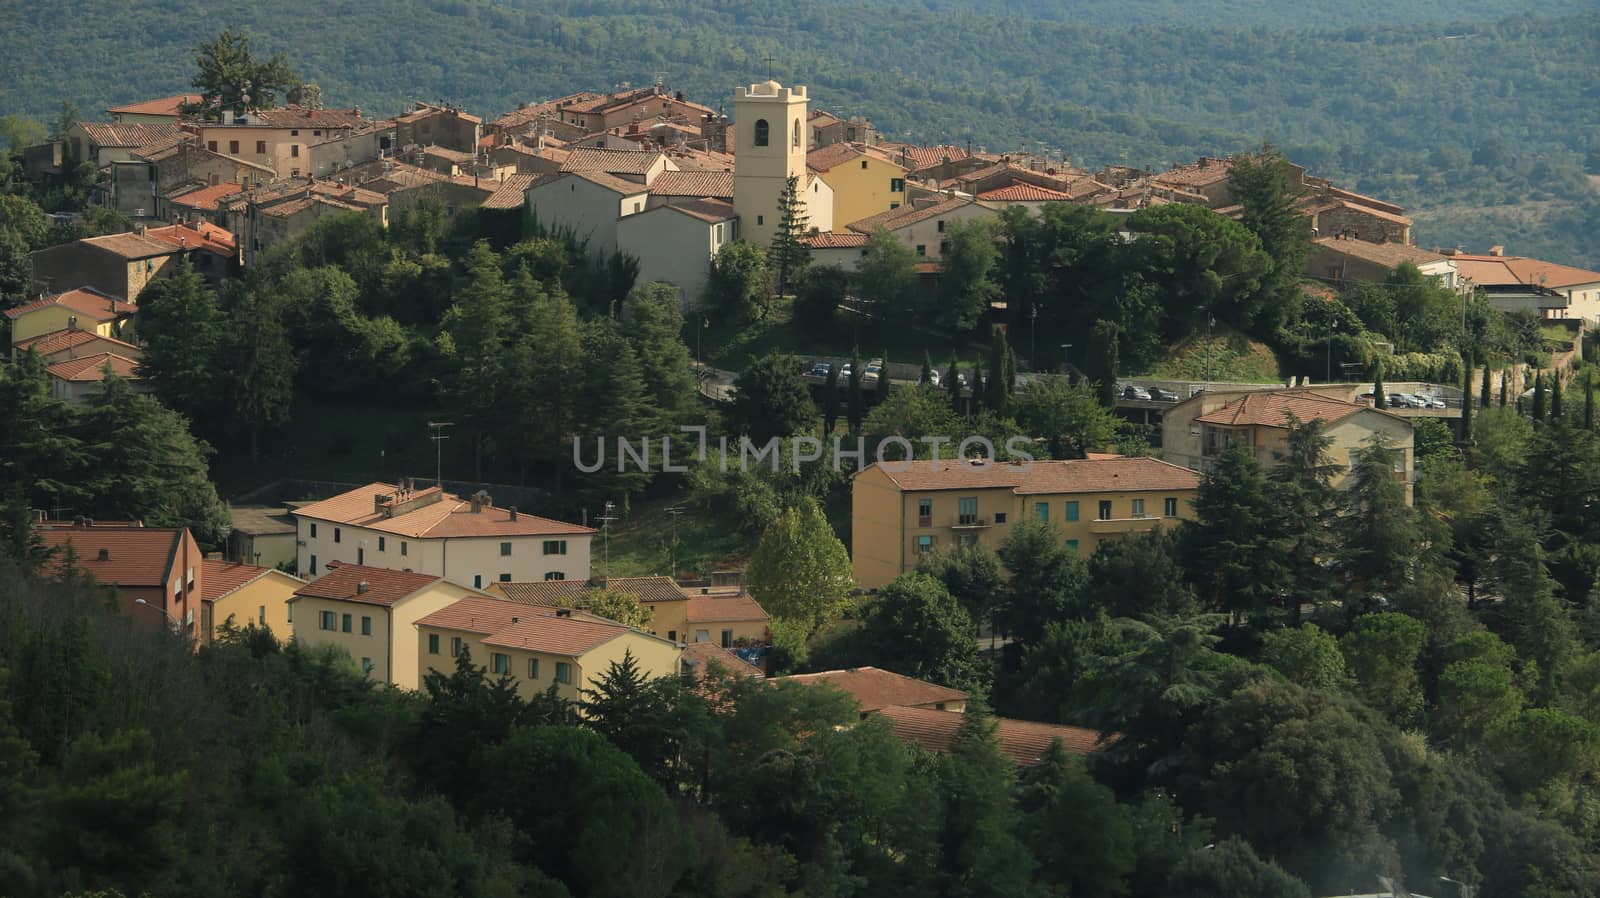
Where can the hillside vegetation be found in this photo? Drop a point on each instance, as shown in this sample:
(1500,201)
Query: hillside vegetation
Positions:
(1459,106)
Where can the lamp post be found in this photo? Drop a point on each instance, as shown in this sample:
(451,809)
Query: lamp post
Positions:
(176,627)
(1329,377)
(1466,890)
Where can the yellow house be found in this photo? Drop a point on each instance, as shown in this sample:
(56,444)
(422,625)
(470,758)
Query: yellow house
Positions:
(903,510)
(537,645)
(280,138)
(372,613)
(865,180)
(725,615)
(1194,432)
(84,309)
(246,594)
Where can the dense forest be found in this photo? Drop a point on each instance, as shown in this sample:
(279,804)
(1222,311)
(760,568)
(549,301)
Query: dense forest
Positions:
(1477,122)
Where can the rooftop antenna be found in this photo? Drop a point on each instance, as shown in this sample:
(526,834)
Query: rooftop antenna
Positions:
(672,557)
(605,518)
(438,438)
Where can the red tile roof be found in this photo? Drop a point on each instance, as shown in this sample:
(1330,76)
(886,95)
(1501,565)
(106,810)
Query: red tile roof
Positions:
(69,338)
(84,301)
(613,162)
(125,134)
(299,117)
(381,585)
(873,688)
(223,577)
(134,556)
(1501,271)
(834,240)
(206,197)
(698,656)
(1271,408)
(1083,475)
(477,614)
(1198,174)
(92,368)
(450,516)
(557,635)
(711,609)
(163,106)
(1021,192)
(908,215)
(713,184)
(201,235)
(708,211)
(1389,255)
(130,246)
(552,592)
(609,181)
(917,158)
(511,194)
(1023,741)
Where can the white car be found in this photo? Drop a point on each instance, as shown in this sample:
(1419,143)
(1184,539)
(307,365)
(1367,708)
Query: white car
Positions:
(874,369)
(934,377)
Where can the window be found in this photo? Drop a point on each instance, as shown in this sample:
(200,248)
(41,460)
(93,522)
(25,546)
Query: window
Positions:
(1000,517)
(864,165)
(366,667)
(361,555)
(1041,510)
(636,207)
(233,147)
(924,512)
(336,534)
(1105,509)
(554,575)
(505,578)
(294,150)
(1138,508)
(761,220)
(288,612)
(326,621)
(433,643)
(795,141)
(366,625)
(896,185)
(294,172)
(1072,545)
(940,225)
(533,668)
(477,581)
(316,133)
(500,663)
(211,145)
(1072,511)
(261,615)
(1169,507)
(313,564)
(403,547)
(968,509)
(702,636)
(294,133)
(261,148)
(380,544)
(924,545)
(966,539)
(505,549)
(719,233)
(455,646)
(761,133)
(313,530)
(672,635)
(555,547)
(563,672)
(344,622)
(892,206)
(727,639)
(922,249)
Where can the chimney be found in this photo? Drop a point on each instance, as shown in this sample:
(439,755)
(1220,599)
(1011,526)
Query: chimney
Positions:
(1497,250)
(140,230)
(516,620)
(513,510)
(477,504)
(105,555)
(563,612)
(380,502)
(361,588)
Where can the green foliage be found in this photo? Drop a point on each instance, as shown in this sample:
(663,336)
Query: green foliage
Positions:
(966,285)
(738,284)
(886,276)
(917,628)
(800,571)
(818,295)
(1140,574)
(1071,419)
(1232,868)
(789,254)
(1046,579)
(1381,652)
(1307,655)
(230,77)
(1234,549)
(771,399)
(612,604)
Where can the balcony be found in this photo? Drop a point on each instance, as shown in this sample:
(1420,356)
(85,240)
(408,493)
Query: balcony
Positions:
(1127,525)
(969,522)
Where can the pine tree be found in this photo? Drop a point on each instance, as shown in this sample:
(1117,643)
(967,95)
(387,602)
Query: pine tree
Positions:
(1011,372)
(857,401)
(1538,396)
(260,376)
(1484,392)
(1107,335)
(830,401)
(789,255)
(182,328)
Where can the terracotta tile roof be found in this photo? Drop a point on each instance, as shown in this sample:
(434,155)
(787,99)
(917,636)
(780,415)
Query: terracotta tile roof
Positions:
(383,586)
(908,215)
(68,338)
(86,302)
(1389,255)
(130,246)
(698,656)
(715,184)
(163,106)
(135,556)
(450,516)
(612,162)
(552,634)
(448,154)
(224,577)
(820,119)
(261,519)
(700,160)
(874,688)
(1503,270)
(160,147)
(1023,741)
(201,235)
(511,194)
(708,211)
(1083,475)
(1313,206)
(120,134)
(417,115)
(552,592)
(1021,192)
(834,240)
(1269,408)
(729,607)
(298,117)
(91,368)
(831,156)
(477,614)
(206,197)
(916,158)
(1198,174)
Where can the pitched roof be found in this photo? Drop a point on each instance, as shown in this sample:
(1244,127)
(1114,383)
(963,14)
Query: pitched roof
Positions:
(224,577)
(1313,205)
(874,688)
(925,157)
(609,181)
(1503,270)
(698,656)
(614,162)
(128,134)
(551,592)
(1082,475)
(1023,741)
(300,117)
(1206,170)
(200,235)
(206,197)
(423,516)
(716,184)
(261,519)
(131,246)
(477,614)
(1389,255)
(67,338)
(134,556)
(162,106)
(84,301)
(709,211)
(908,215)
(553,634)
(511,194)
(834,240)
(1270,408)
(1022,192)
(367,585)
(724,607)
(92,368)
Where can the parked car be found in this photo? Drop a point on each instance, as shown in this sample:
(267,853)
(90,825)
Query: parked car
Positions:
(821,369)
(934,377)
(1368,397)
(1432,401)
(874,369)
(1162,395)
(1402,400)
(1133,391)
(844,372)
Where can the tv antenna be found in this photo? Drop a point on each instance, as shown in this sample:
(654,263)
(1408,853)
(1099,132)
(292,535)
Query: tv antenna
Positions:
(605,518)
(672,557)
(438,438)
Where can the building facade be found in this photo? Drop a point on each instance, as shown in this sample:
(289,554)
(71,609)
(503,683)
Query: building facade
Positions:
(771,148)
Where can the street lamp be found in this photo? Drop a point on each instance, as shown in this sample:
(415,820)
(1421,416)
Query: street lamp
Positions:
(1466,890)
(175,625)
(1329,377)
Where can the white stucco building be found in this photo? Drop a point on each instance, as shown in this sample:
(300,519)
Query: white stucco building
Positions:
(429,531)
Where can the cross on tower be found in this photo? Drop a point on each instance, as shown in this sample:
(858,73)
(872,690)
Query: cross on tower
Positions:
(770,60)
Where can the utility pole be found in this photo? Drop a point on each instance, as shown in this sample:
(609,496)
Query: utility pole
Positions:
(1033,336)
(605,518)
(438,437)
(672,557)
(1329,377)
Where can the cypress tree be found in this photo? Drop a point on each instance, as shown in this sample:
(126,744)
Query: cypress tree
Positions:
(1538,396)
(1466,404)
(994,392)
(1380,399)
(1011,373)
(1588,400)
(830,401)
(978,386)
(1505,380)
(952,384)
(1555,394)
(857,400)
(1483,393)
(883,377)
(927,368)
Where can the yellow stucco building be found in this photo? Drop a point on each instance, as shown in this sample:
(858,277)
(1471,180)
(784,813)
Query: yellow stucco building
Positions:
(244,594)
(903,510)
(865,180)
(725,615)
(82,309)
(537,645)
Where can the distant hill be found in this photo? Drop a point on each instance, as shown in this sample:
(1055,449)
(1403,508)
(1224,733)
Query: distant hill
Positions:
(1471,109)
